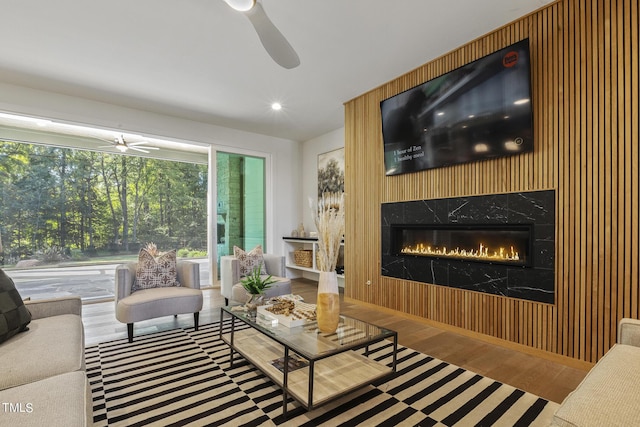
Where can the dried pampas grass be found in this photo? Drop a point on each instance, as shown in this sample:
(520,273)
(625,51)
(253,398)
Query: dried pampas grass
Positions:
(329,219)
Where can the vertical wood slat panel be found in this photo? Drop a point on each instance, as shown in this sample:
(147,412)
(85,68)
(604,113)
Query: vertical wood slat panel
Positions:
(619,40)
(584,57)
(635,154)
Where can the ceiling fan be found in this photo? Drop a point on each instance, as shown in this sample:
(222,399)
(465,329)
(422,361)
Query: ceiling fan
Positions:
(120,144)
(272,39)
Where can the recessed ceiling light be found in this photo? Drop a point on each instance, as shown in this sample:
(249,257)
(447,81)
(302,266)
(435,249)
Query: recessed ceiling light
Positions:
(276,106)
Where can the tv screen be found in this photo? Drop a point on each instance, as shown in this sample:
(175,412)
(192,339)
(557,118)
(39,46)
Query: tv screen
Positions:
(478,111)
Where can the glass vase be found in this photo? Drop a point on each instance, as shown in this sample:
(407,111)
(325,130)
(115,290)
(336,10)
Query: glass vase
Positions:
(328,303)
(252,304)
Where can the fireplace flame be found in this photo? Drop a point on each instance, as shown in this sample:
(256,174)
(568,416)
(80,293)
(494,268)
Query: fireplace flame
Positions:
(482,253)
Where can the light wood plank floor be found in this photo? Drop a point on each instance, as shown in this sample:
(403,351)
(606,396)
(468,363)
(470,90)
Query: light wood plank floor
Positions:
(537,375)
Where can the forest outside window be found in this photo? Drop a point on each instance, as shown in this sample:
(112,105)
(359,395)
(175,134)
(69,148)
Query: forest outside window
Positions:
(77,207)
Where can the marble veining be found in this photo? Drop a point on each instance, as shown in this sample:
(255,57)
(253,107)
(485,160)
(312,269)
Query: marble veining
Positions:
(535,283)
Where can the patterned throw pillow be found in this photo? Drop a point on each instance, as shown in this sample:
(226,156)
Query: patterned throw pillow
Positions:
(14,316)
(249,261)
(155,273)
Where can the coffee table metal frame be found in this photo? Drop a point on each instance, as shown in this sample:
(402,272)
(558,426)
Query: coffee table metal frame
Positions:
(290,339)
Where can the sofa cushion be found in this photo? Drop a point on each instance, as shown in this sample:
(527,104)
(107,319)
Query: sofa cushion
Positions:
(151,303)
(52,346)
(155,273)
(608,395)
(14,316)
(62,400)
(249,261)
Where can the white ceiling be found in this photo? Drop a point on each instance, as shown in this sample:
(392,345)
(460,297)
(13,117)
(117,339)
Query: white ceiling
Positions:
(201,60)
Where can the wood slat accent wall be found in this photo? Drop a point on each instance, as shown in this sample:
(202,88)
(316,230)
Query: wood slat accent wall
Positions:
(584,58)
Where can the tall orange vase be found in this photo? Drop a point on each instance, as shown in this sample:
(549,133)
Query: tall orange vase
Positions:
(328,304)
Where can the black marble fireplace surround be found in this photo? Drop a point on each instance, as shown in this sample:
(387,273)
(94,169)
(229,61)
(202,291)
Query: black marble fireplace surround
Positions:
(533,280)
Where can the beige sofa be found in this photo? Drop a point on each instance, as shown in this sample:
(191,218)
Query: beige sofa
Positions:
(610,393)
(42,370)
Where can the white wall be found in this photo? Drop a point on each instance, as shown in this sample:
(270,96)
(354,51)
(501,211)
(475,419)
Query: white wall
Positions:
(310,150)
(284,188)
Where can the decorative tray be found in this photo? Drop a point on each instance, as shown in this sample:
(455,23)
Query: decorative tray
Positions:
(287,312)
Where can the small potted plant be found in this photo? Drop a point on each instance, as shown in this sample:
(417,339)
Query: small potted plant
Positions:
(255,284)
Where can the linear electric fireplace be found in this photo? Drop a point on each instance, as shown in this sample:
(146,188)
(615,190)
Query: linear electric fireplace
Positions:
(493,244)
(501,244)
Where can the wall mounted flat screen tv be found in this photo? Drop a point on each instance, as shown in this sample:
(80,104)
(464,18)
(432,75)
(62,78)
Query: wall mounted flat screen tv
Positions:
(478,111)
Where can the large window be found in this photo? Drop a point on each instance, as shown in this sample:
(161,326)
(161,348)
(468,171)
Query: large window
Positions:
(69,198)
(78,207)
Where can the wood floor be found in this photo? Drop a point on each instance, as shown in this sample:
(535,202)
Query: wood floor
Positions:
(541,376)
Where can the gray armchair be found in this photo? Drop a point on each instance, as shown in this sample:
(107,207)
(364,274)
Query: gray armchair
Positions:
(147,304)
(231,288)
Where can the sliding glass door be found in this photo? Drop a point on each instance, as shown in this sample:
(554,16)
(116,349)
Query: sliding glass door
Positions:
(240,218)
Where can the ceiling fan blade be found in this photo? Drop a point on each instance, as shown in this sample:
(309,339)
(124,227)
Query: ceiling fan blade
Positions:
(133,144)
(272,39)
(122,146)
(140,149)
(110,141)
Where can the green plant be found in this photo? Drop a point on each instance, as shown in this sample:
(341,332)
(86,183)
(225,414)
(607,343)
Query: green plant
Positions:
(191,253)
(254,283)
(51,254)
(197,254)
(78,255)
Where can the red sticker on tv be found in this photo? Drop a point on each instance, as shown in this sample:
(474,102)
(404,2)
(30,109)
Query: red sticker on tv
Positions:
(510,59)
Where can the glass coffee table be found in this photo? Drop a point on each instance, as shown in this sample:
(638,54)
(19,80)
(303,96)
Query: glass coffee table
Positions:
(310,366)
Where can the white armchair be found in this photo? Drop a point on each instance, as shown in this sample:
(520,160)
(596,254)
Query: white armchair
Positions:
(231,288)
(147,304)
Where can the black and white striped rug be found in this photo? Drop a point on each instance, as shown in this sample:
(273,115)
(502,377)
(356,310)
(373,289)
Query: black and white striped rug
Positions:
(182,377)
